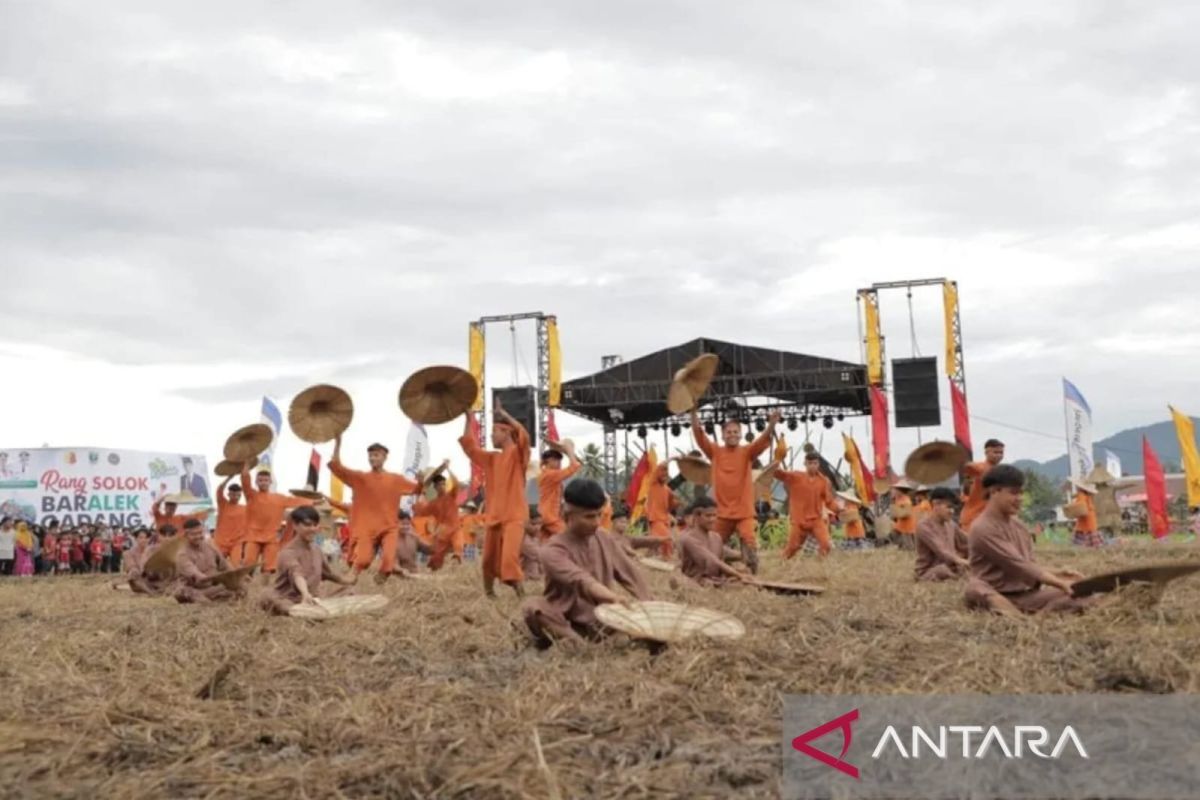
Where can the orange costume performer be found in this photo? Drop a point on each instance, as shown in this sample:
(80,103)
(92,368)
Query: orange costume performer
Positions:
(375,512)
(660,503)
(905,526)
(733,482)
(1087,529)
(550,489)
(264,515)
(443,511)
(176,521)
(809,495)
(976,502)
(504,487)
(230,534)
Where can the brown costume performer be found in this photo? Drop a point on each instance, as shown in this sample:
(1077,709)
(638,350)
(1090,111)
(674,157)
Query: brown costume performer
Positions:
(504,489)
(135,563)
(195,565)
(941,544)
(301,567)
(582,566)
(701,553)
(531,546)
(1004,575)
(733,482)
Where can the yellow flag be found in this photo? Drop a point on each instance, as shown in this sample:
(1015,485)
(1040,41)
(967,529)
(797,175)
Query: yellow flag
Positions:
(950,301)
(1191,459)
(555,359)
(781,450)
(337,490)
(639,508)
(477,351)
(874,344)
(856,470)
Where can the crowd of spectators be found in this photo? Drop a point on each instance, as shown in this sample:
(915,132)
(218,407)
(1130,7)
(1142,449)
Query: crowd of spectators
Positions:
(50,549)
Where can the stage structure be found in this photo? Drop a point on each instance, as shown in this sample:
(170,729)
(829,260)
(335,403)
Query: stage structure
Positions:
(874,355)
(750,382)
(549,367)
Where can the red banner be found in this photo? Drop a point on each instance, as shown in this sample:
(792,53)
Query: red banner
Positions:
(314,469)
(1156,492)
(551,427)
(962,421)
(635,481)
(879,432)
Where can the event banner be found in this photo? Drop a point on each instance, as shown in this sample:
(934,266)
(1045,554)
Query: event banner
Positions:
(1079,431)
(80,485)
(1015,747)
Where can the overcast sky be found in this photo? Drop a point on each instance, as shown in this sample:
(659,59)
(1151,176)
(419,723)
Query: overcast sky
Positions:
(203,203)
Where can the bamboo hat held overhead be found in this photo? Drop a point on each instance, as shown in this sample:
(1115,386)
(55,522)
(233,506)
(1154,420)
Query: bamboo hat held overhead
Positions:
(229,469)
(320,413)
(936,462)
(691,382)
(695,469)
(438,394)
(248,443)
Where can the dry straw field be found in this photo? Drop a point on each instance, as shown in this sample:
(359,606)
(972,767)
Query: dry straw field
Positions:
(107,694)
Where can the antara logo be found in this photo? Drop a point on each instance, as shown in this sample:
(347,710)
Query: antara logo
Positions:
(1032,739)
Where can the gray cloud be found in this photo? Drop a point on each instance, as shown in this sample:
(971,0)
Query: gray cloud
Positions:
(227,184)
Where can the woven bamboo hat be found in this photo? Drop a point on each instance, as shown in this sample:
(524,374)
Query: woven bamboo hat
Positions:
(691,382)
(248,443)
(439,394)
(320,413)
(669,622)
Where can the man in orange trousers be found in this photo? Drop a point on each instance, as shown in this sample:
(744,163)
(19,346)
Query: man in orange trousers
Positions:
(733,482)
(809,495)
(230,535)
(504,489)
(264,515)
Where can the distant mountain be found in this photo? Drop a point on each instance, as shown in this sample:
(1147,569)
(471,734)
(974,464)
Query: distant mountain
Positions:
(1127,445)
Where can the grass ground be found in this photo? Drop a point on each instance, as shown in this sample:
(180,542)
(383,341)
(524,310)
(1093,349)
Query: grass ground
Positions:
(108,694)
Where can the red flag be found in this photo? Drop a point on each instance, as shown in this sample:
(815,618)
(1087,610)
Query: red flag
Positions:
(879,431)
(476,472)
(962,421)
(551,428)
(314,469)
(1156,492)
(635,482)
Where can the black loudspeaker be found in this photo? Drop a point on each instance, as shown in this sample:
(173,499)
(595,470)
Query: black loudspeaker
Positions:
(915,386)
(520,403)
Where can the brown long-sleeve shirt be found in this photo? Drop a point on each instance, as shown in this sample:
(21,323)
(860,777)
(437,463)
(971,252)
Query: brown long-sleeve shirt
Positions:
(701,556)
(936,544)
(1001,554)
(307,562)
(195,565)
(571,562)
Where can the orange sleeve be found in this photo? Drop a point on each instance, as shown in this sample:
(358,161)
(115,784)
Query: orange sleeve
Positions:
(346,475)
(760,445)
(830,502)
(475,453)
(574,467)
(248,486)
(422,509)
(702,441)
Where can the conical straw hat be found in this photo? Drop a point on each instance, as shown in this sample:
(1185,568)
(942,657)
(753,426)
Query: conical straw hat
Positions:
(691,382)
(850,497)
(248,442)
(935,462)
(320,413)
(695,469)
(161,562)
(669,622)
(227,468)
(307,494)
(779,587)
(339,607)
(1109,581)
(435,395)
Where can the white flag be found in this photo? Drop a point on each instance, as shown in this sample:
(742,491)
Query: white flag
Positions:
(1079,431)
(416,457)
(273,419)
(1112,463)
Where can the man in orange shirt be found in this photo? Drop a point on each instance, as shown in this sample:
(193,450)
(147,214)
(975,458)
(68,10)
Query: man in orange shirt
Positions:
(230,534)
(856,534)
(976,502)
(164,514)
(904,514)
(264,516)
(1087,529)
(374,514)
(504,487)
(443,511)
(809,495)
(733,483)
(550,486)
(660,503)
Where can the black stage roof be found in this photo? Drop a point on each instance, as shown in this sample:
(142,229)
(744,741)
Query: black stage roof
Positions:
(634,392)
